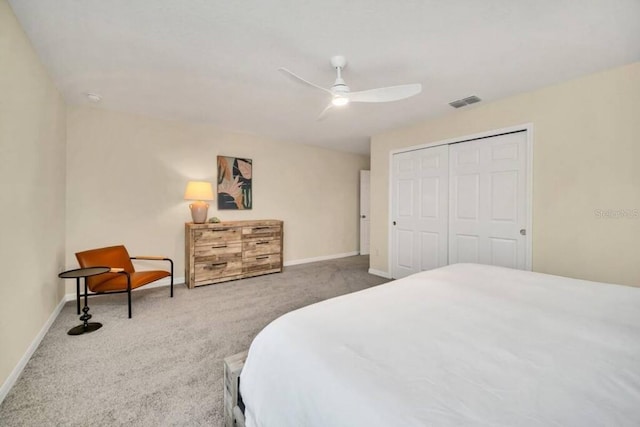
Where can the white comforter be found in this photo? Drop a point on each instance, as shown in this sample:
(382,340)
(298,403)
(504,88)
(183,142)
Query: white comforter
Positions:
(461,345)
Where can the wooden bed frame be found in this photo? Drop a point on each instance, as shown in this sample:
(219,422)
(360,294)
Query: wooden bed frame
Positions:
(233,408)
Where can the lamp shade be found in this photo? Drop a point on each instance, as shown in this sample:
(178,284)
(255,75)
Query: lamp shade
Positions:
(198,190)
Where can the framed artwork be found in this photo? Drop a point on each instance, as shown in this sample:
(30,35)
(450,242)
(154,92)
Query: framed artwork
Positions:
(234,183)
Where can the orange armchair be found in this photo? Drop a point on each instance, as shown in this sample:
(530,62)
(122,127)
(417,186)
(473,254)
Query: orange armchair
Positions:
(123,277)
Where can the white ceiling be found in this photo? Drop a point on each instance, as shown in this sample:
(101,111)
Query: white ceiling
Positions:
(216,60)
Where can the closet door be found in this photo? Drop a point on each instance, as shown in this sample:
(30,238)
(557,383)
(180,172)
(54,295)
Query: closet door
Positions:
(419,210)
(487,200)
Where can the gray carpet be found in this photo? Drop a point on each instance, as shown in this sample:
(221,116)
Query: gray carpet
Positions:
(164,366)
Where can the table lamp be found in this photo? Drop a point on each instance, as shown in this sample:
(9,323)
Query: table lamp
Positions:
(198,191)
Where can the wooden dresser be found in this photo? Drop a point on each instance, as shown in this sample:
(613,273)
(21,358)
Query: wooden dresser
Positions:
(231,250)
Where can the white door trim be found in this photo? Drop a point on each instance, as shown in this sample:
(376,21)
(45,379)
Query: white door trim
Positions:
(528,127)
(364,220)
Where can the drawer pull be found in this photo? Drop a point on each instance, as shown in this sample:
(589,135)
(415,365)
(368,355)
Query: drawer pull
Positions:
(218,247)
(262,243)
(218,265)
(262,257)
(220,229)
(260,228)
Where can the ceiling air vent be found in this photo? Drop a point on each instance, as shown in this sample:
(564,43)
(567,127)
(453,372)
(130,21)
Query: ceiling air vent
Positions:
(465,101)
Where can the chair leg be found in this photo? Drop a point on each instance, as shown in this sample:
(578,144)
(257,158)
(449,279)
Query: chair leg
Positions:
(78,295)
(171,278)
(129,293)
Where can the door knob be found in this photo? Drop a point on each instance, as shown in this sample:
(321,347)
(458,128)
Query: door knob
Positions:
(394,223)
(363,216)
(523,232)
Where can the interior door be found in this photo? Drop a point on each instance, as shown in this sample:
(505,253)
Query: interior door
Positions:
(364,211)
(487,200)
(419,210)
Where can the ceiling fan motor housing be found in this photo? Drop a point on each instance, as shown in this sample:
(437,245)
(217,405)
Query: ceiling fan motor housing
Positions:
(340,86)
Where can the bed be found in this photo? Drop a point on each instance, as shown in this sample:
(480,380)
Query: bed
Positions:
(461,345)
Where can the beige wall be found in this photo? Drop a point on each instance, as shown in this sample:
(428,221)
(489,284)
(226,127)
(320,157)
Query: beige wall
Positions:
(586,158)
(32,193)
(126,176)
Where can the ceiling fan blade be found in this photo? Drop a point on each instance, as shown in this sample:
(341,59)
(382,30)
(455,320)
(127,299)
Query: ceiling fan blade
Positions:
(386,94)
(324,112)
(300,79)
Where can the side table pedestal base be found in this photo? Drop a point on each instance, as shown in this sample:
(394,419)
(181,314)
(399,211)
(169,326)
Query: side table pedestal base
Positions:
(82,329)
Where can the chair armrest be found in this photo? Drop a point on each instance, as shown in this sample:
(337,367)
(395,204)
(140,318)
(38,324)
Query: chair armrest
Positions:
(155,258)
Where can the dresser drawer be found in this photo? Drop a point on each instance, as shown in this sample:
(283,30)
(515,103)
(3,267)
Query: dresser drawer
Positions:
(253,248)
(208,236)
(261,264)
(208,271)
(218,251)
(262,232)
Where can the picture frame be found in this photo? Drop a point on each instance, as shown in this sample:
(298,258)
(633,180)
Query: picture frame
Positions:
(235,185)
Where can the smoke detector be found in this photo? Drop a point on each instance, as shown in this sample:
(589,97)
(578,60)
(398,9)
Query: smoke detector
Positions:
(93,97)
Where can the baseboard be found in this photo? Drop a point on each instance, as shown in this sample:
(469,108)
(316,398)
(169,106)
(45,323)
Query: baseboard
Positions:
(157,284)
(13,376)
(320,258)
(379,273)
(180,280)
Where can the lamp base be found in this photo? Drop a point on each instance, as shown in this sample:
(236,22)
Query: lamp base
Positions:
(199,212)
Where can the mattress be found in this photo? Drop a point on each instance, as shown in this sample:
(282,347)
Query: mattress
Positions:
(461,345)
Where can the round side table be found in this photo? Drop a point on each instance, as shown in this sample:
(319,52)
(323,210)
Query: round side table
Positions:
(77,274)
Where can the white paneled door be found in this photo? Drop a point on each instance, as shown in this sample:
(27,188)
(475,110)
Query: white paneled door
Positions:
(461,202)
(487,199)
(365,193)
(419,210)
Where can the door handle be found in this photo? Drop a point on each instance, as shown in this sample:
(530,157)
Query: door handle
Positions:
(394,223)
(523,231)
(363,216)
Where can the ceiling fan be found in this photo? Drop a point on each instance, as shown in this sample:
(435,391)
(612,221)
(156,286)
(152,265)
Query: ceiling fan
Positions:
(341,94)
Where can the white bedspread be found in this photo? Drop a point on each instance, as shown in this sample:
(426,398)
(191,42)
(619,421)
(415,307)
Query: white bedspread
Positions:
(461,345)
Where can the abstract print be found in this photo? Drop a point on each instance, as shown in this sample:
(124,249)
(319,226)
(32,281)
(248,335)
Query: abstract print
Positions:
(234,183)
